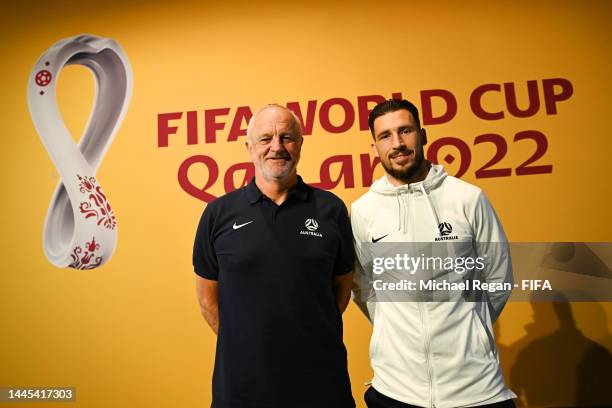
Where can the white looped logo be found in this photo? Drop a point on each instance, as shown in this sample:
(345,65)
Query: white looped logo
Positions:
(311,224)
(80,228)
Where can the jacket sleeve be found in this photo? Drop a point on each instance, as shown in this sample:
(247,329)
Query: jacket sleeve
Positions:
(362,293)
(491,243)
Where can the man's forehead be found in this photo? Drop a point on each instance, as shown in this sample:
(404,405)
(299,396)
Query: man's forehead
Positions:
(274,118)
(393,119)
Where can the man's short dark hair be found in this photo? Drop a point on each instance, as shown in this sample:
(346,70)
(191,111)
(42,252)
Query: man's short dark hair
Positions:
(392,105)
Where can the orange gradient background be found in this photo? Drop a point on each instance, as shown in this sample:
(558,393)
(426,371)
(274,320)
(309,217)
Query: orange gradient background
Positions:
(130,334)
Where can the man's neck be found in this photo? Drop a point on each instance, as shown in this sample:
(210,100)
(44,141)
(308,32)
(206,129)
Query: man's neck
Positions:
(276,190)
(419,175)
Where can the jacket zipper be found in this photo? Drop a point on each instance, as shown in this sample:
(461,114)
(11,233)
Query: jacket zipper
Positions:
(423,316)
(427,355)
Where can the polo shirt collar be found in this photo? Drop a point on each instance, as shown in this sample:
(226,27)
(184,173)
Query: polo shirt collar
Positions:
(299,190)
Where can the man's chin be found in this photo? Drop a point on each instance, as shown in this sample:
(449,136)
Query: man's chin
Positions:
(401,173)
(277,175)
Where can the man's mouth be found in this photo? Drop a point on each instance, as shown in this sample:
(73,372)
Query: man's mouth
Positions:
(401,157)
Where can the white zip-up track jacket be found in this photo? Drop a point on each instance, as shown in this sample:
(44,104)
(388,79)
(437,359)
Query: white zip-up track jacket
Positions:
(433,354)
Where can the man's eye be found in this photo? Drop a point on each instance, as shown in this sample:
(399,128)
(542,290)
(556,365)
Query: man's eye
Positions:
(406,131)
(383,136)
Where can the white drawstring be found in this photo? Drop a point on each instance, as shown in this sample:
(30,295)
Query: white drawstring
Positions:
(399,211)
(431,207)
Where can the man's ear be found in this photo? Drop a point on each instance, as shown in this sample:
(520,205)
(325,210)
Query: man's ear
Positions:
(423,134)
(373,145)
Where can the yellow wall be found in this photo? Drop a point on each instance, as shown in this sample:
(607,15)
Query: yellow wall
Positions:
(130,334)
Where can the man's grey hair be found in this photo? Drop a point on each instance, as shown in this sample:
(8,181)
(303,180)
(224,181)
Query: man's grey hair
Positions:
(269,106)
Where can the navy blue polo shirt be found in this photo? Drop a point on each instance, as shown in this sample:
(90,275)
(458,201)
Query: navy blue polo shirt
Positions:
(280,330)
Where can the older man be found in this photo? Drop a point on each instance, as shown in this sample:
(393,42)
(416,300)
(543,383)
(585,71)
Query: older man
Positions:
(273,265)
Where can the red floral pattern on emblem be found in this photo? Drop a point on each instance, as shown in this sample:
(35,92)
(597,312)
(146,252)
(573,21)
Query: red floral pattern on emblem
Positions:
(43,77)
(85,258)
(97,205)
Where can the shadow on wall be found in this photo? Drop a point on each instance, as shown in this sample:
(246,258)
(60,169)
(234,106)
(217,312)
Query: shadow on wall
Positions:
(555,364)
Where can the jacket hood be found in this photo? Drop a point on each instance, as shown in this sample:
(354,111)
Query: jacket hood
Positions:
(433,180)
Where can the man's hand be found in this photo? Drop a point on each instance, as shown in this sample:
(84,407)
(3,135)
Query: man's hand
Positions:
(206,290)
(342,290)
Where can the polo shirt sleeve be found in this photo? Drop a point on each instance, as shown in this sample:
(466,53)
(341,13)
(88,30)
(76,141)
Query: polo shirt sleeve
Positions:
(204,258)
(345,258)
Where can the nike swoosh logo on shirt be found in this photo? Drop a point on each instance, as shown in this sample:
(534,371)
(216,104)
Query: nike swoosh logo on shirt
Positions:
(241,225)
(378,239)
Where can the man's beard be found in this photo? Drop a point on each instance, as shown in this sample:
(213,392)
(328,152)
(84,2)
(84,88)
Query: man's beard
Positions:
(407,173)
(277,174)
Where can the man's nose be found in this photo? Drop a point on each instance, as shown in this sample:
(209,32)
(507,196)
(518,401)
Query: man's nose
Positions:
(396,140)
(276,144)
